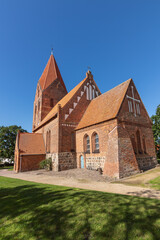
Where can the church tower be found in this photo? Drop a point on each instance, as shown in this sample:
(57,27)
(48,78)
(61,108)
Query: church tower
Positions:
(50,90)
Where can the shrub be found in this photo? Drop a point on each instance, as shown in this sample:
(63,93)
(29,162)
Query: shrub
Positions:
(46,164)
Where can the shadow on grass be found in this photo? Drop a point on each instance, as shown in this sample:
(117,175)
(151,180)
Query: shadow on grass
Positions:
(37,211)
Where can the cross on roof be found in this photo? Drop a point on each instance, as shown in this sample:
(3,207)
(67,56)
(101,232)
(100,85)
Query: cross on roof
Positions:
(134,100)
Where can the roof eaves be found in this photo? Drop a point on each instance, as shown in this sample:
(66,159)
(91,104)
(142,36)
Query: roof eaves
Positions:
(77,129)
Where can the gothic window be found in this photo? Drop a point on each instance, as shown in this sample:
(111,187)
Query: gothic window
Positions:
(130,106)
(139,147)
(95,143)
(51,102)
(86,144)
(134,143)
(144,144)
(38,91)
(35,112)
(38,106)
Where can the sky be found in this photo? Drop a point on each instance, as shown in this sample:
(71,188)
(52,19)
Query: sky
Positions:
(117,39)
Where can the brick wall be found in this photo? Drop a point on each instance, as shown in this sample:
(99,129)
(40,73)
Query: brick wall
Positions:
(30,162)
(127,160)
(107,158)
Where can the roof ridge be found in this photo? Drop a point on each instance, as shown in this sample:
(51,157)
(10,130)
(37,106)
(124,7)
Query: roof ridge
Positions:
(112,88)
(49,63)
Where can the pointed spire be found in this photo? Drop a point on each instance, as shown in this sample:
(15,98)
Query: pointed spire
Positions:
(50,74)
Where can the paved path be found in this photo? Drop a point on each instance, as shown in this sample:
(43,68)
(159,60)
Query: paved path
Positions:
(41,177)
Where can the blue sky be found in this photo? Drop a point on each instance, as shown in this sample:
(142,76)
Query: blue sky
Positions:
(118,39)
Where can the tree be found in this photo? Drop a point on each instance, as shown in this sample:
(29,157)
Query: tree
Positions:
(7,140)
(156,130)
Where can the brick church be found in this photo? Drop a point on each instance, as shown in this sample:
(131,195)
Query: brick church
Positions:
(86,129)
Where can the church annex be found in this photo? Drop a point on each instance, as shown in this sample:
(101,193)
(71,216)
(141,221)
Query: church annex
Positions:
(87,129)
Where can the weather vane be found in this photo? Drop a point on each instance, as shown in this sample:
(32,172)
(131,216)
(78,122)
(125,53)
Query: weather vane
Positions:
(52,51)
(89,68)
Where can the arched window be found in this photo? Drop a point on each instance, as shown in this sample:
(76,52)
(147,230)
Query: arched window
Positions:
(139,147)
(95,142)
(86,144)
(38,106)
(134,143)
(35,112)
(144,144)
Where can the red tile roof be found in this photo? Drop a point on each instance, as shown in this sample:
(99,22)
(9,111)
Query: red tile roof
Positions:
(31,143)
(50,74)
(104,107)
(62,102)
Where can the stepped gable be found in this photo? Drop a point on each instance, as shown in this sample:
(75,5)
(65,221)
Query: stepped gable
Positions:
(104,107)
(50,74)
(62,102)
(31,143)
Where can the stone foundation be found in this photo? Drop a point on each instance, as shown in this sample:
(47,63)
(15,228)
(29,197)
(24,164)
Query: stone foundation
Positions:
(62,161)
(95,162)
(146,162)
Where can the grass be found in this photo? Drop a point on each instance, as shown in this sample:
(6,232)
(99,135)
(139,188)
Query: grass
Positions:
(142,179)
(32,211)
(10,168)
(155,183)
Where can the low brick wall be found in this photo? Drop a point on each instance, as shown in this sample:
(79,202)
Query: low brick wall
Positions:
(30,162)
(95,162)
(146,163)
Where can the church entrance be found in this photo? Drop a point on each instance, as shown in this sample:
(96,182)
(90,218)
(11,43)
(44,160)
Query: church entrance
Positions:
(82,161)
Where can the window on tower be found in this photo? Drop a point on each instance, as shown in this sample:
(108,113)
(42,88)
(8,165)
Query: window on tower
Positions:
(38,105)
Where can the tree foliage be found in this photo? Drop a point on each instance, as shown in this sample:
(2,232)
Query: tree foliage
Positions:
(156,129)
(8,139)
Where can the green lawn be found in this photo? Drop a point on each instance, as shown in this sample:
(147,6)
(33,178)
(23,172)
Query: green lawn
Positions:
(10,168)
(155,183)
(43,212)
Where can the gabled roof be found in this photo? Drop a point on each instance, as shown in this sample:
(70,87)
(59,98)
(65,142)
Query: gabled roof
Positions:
(50,74)
(31,143)
(104,107)
(62,102)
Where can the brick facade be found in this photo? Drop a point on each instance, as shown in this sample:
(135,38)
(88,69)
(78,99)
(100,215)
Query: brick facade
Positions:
(83,128)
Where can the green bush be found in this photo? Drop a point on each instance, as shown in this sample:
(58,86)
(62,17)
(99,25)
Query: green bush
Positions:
(46,164)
